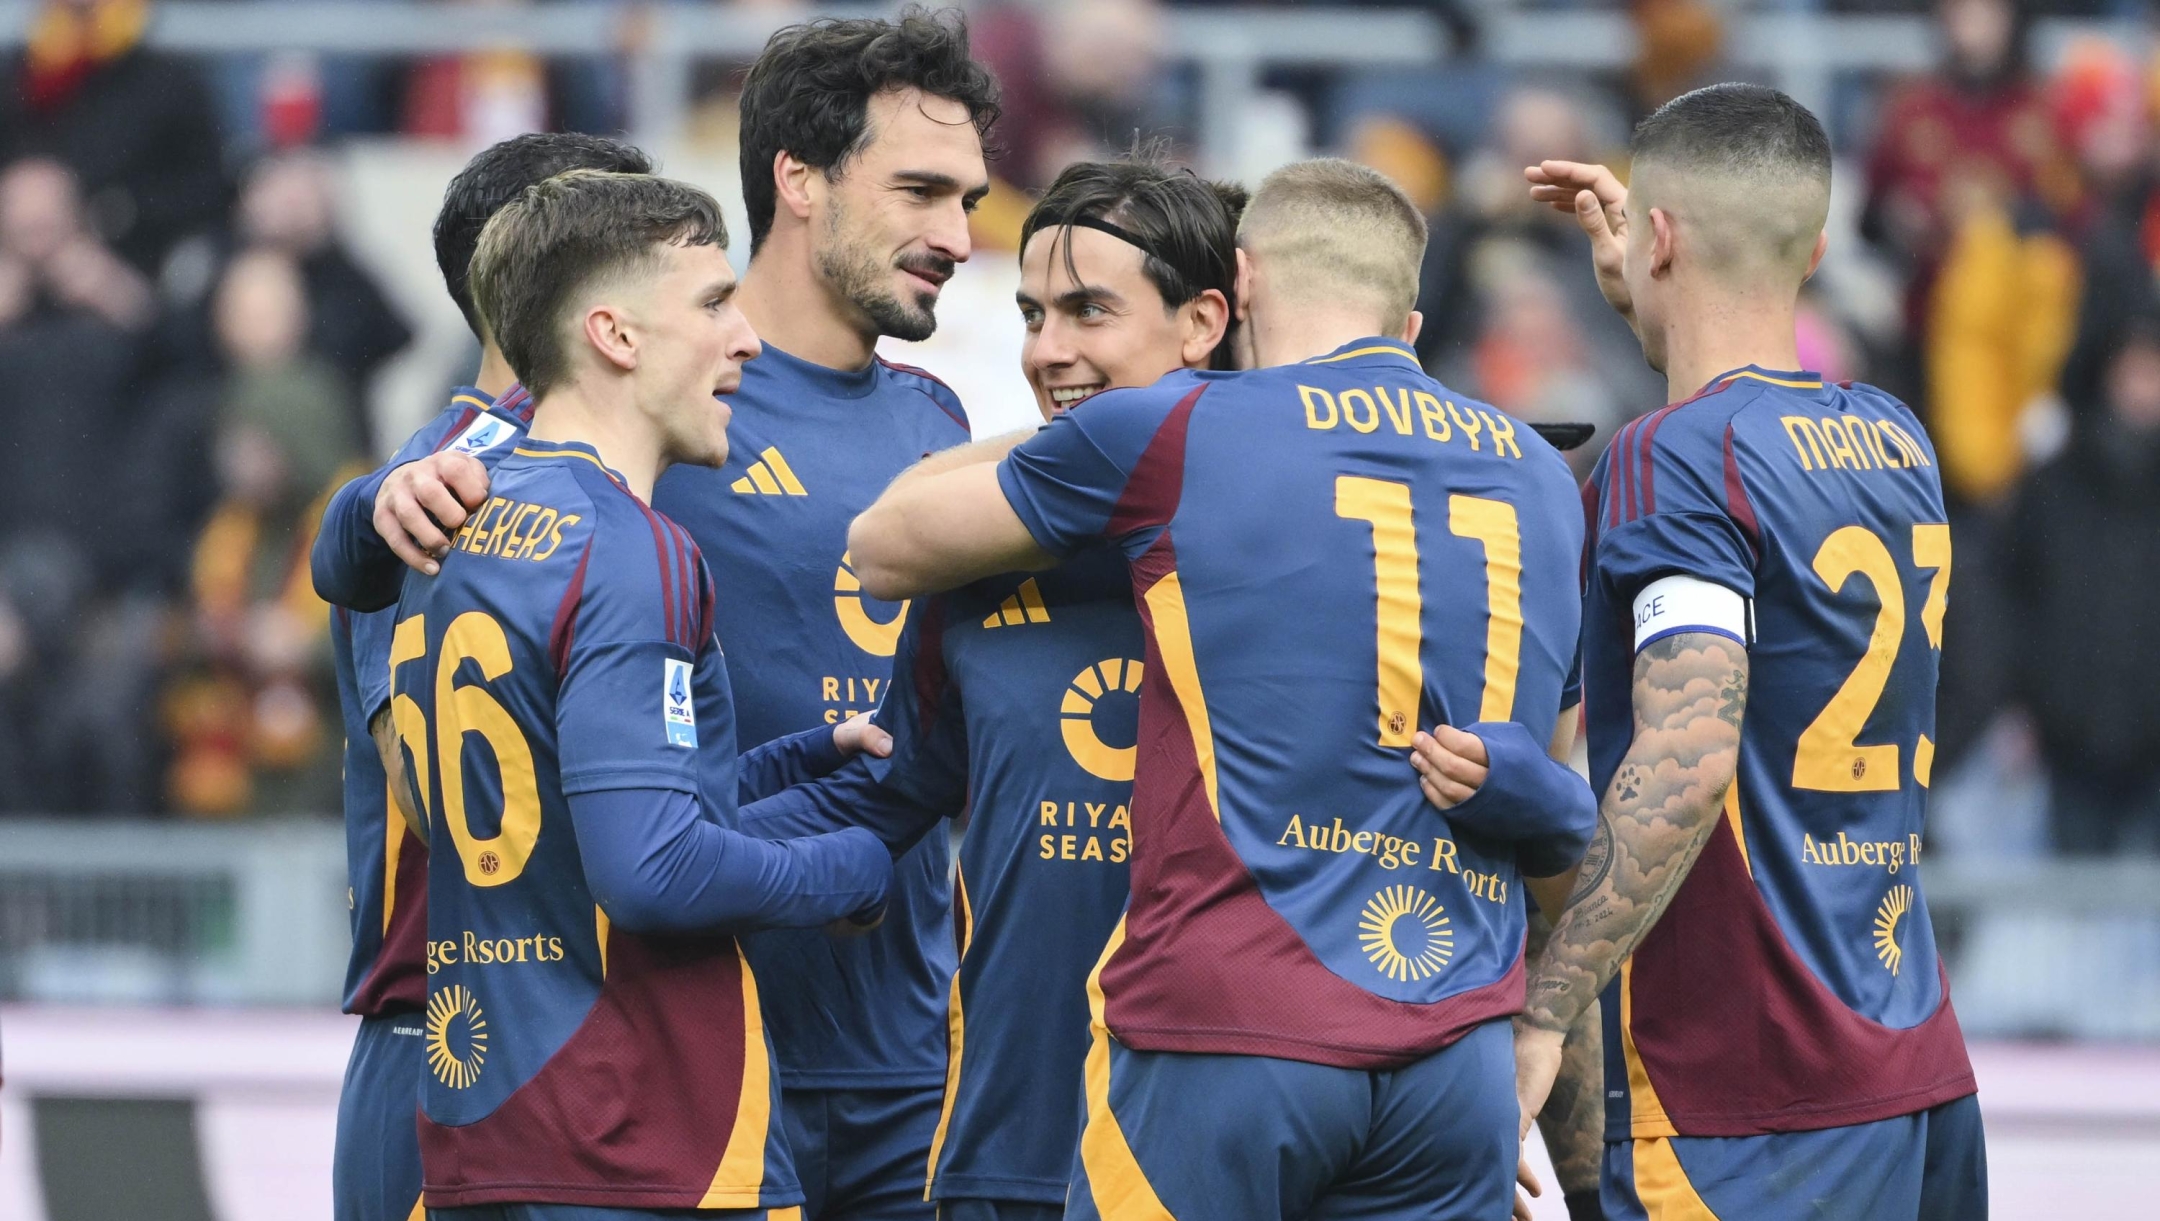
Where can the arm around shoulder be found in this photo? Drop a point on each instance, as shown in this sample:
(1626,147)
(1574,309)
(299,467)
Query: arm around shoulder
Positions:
(940,531)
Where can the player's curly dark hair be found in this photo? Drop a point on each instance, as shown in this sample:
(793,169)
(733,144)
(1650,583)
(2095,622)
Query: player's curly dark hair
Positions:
(809,92)
(500,174)
(1185,224)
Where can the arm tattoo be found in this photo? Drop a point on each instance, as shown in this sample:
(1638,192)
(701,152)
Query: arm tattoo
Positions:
(1659,811)
(1596,861)
(1574,1117)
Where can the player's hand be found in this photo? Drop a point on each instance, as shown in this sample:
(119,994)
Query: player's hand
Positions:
(1598,202)
(1526,1179)
(1537,1064)
(1451,764)
(857,736)
(421,505)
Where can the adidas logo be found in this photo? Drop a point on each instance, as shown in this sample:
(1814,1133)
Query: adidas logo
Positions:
(770,475)
(1024,606)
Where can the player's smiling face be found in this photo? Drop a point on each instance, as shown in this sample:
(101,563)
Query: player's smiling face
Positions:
(895,215)
(696,340)
(1102,328)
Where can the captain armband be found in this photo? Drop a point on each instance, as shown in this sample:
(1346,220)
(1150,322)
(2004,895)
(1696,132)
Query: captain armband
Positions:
(1690,604)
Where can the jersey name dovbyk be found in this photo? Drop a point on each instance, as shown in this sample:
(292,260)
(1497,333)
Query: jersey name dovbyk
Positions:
(385,866)
(1793,984)
(809,448)
(1327,558)
(1017,698)
(569,1062)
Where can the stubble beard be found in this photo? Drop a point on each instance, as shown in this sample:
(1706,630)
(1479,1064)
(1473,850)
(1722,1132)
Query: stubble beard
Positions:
(864,282)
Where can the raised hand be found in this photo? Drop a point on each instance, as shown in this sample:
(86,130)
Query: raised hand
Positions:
(1594,196)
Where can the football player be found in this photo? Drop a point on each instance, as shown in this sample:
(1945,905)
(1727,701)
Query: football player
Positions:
(1765,586)
(1302,1012)
(595,1045)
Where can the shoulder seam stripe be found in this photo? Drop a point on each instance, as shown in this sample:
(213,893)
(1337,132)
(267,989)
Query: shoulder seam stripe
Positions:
(523,452)
(1648,457)
(1377,349)
(1777,381)
(564,631)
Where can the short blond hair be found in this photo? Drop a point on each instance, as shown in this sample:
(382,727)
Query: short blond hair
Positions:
(1336,231)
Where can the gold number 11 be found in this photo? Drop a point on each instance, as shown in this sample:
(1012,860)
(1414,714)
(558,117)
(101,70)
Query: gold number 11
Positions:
(1399,607)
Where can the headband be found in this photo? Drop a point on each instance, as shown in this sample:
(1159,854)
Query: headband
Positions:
(1102,226)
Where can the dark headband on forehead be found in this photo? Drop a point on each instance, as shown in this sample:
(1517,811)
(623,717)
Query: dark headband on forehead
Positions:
(1100,225)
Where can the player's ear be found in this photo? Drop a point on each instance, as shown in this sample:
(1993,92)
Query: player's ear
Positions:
(793,185)
(607,329)
(1206,320)
(1412,327)
(1661,241)
(1244,285)
(1822,246)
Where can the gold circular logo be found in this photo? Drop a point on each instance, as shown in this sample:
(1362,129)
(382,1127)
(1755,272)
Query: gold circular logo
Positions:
(1407,934)
(456,1037)
(872,637)
(1076,718)
(1889,920)
(489,863)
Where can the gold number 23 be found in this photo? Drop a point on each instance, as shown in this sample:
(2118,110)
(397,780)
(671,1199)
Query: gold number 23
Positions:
(1828,758)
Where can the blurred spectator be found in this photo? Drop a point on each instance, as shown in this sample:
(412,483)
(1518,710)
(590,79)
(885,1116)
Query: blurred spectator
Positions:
(2000,322)
(1512,308)
(483,97)
(76,677)
(2103,112)
(2081,581)
(288,204)
(1961,169)
(67,304)
(247,713)
(136,127)
(1680,42)
(50,259)
(1078,80)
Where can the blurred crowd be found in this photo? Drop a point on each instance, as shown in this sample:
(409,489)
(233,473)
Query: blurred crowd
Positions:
(187,348)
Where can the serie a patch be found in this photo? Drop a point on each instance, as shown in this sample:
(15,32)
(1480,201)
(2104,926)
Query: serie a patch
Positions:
(483,434)
(677,710)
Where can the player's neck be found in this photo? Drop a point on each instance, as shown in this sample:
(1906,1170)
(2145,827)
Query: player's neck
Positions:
(797,312)
(1304,334)
(1716,334)
(496,376)
(625,438)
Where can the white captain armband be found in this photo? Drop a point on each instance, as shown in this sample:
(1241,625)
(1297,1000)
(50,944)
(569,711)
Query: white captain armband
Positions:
(1691,604)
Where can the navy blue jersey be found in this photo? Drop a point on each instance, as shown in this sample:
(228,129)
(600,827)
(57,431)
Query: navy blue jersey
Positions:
(1019,698)
(809,448)
(385,866)
(1328,557)
(564,664)
(1794,981)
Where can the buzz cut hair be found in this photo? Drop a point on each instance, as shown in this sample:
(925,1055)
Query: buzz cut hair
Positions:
(542,249)
(1333,230)
(1750,163)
